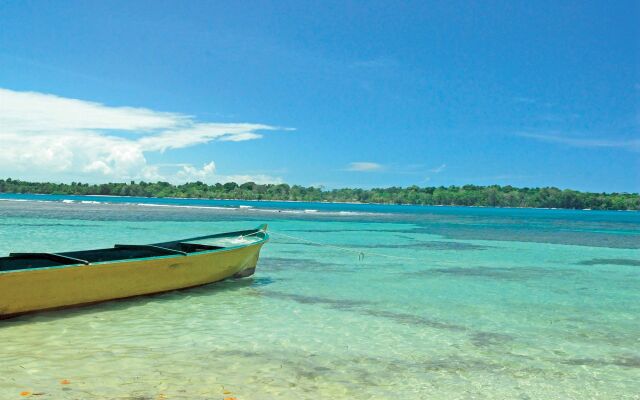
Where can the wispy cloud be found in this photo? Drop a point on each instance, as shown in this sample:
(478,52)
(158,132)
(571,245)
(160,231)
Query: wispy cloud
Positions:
(438,169)
(395,169)
(52,137)
(364,166)
(200,133)
(574,141)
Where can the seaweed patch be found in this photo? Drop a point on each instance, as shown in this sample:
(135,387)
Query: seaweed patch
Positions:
(486,339)
(284,263)
(338,304)
(411,319)
(611,261)
(632,361)
(498,273)
(478,338)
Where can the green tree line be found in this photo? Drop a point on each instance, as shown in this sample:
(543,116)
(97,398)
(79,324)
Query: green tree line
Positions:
(467,195)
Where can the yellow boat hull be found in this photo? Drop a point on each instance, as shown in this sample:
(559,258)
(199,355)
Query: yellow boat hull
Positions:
(48,288)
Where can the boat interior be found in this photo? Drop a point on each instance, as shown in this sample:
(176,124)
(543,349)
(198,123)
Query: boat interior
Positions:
(18,261)
(122,252)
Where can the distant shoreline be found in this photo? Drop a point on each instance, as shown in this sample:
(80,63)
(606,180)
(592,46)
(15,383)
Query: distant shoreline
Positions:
(309,202)
(455,196)
(201,198)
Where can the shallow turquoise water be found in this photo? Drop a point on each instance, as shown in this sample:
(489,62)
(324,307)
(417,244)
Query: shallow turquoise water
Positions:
(448,303)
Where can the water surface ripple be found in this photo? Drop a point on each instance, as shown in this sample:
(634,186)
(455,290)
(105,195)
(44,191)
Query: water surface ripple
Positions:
(483,304)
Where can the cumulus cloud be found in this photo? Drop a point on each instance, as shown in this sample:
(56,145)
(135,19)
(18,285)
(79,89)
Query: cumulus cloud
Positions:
(190,173)
(50,137)
(364,166)
(208,173)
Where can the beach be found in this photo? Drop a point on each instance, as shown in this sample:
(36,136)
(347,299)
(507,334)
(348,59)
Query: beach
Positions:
(349,301)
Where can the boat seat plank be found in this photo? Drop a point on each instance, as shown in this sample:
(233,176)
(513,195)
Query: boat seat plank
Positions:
(195,247)
(158,249)
(51,256)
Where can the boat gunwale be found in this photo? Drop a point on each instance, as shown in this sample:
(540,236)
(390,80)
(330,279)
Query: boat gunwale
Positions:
(260,229)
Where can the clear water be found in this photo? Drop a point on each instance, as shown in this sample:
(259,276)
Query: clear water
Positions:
(448,303)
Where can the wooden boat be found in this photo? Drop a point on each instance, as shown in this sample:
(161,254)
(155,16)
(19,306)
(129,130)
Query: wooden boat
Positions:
(39,281)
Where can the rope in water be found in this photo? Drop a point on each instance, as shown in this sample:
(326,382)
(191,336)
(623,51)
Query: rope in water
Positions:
(361,254)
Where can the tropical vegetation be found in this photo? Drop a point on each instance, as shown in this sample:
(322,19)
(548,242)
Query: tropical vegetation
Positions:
(467,195)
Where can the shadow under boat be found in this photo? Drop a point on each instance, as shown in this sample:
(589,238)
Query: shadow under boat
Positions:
(206,290)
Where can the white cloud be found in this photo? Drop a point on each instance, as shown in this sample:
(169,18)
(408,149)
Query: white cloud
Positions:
(439,169)
(48,137)
(190,173)
(37,112)
(364,166)
(260,179)
(626,144)
(241,137)
(208,173)
(199,133)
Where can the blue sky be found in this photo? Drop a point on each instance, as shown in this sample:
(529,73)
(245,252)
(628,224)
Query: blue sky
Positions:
(339,94)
